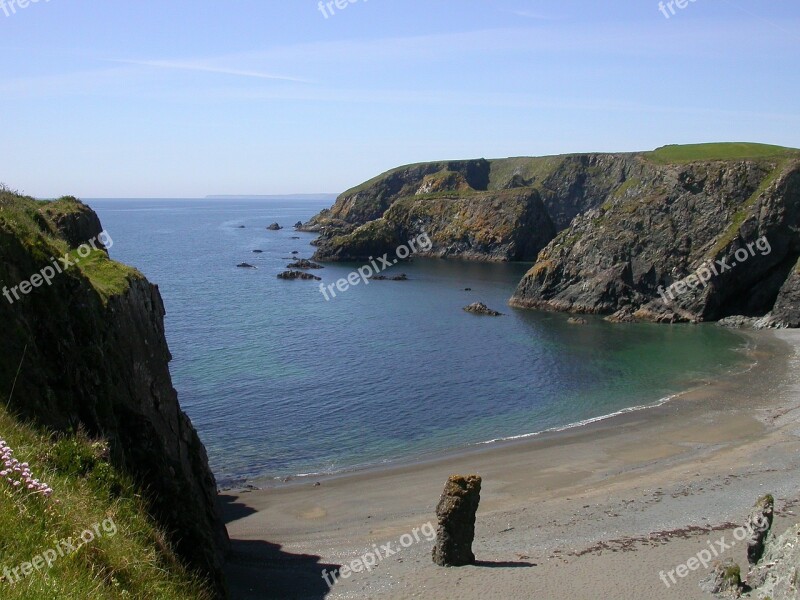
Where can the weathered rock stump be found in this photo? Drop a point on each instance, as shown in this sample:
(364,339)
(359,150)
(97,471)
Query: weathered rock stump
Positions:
(456,517)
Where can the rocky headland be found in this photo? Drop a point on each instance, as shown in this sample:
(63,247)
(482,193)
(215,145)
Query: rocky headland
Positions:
(680,234)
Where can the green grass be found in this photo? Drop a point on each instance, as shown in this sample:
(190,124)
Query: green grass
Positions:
(721,151)
(108,277)
(130,559)
(31,222)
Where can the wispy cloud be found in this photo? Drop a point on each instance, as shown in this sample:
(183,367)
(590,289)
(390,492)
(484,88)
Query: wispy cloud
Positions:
(206,68)
(529,14)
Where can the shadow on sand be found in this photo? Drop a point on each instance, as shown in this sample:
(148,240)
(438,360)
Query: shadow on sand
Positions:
(500,564)
(260,570)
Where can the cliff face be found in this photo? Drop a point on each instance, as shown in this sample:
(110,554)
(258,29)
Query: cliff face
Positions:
(496,210)
(88,351)
(692,242)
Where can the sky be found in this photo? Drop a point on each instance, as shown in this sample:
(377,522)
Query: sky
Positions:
(191,98)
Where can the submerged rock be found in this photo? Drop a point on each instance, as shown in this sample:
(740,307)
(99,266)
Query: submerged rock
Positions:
(258,252)
(577,321)
(401,277)
(274,227)
(298,275)
(479,308)
(246,266)
(456,514)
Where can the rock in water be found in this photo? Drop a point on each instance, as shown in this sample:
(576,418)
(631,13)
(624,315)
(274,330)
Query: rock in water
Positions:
(298,225)
(456,516)
(760,522)
(246,266)
(479,308)
(298,275)
(274,227)
(304,264)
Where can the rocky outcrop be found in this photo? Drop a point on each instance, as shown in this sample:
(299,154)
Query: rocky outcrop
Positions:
(274,227)
(88,352)
(680,243)
(74,221)
(456,513)
(479,308)
(777,576)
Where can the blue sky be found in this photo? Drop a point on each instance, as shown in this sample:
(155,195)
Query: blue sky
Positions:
(184,99)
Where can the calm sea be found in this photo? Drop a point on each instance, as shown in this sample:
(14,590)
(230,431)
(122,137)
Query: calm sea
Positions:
(280,382)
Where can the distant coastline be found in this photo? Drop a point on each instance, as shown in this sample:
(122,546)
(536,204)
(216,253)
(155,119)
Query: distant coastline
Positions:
(273,197)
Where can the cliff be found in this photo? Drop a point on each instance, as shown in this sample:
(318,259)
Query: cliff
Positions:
(683,233)
(87,352)
(693,240)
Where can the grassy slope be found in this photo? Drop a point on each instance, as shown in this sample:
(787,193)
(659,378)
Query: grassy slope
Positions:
(137,562)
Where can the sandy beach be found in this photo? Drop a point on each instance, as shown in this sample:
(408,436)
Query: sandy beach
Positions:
(599,511)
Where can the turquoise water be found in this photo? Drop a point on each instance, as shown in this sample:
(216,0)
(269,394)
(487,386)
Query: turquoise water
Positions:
(280,382)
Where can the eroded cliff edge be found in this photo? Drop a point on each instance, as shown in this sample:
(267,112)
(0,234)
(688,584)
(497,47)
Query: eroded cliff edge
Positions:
(88,352)
(609,233)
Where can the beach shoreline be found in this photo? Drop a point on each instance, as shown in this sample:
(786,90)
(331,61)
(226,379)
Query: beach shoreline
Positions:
(679,471)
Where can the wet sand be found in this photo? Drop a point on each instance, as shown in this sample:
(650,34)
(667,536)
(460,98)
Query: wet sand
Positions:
(592,512)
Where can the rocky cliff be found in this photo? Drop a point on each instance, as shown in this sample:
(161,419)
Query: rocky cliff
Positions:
(681,241)
(87,351)
(683,233)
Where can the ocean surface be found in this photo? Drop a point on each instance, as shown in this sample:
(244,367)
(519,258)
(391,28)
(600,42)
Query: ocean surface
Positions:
(280,382)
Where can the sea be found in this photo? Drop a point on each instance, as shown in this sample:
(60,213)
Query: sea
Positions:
(281,382)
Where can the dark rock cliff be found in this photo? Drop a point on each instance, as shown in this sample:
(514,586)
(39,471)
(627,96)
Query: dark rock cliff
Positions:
(623,235)
(88,351)
(694,242)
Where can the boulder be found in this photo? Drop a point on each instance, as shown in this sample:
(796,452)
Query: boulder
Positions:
(725,580)
(274,227)
(298,225)
(455,514)
(479,308)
